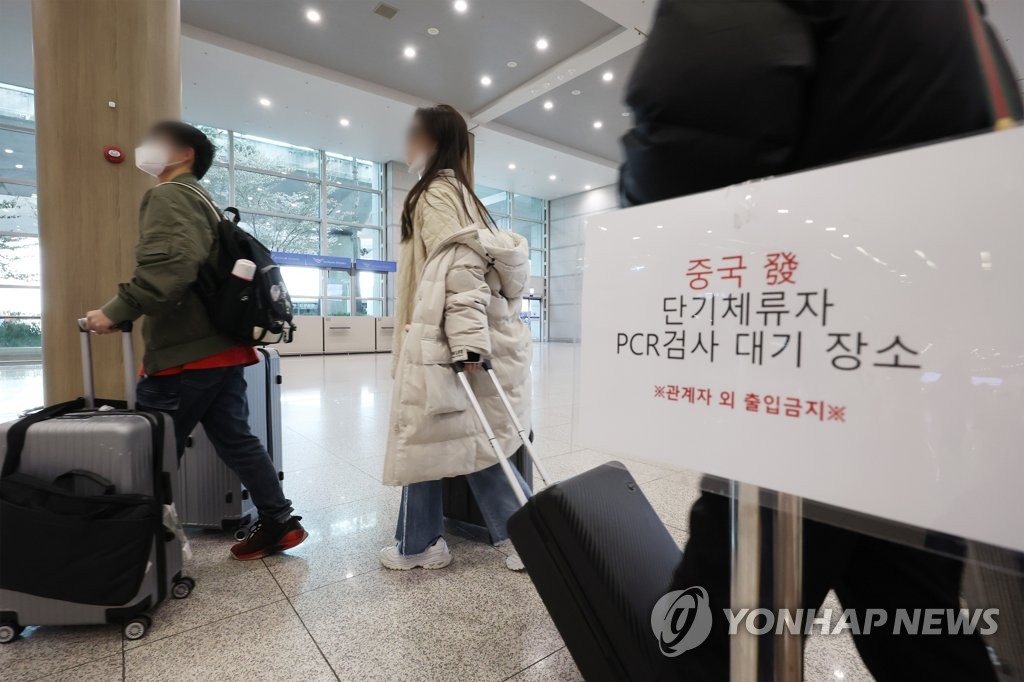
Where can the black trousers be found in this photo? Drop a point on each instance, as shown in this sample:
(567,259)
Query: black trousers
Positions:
(866,573)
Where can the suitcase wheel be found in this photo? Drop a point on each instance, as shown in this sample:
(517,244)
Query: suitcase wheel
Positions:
(137,627)
(182,587)
(9,632)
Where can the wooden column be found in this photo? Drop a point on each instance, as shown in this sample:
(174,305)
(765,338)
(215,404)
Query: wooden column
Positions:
(105,71)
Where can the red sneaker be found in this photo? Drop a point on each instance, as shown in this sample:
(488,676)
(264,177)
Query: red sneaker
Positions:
(268,537)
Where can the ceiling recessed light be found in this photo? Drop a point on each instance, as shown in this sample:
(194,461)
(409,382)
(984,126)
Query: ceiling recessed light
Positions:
(313,16)
(607,76)
(575,92)
(830,229)
(409,52)
(19,165)
(552,177)
(485,80)
(625,113)
(549,105)
(460,6)
(783,210)
(542,44)
(511,166)
(265,102)
(809,221)
(512,65)
(586,186)
(598,125)
(344,122)
(8,151)
(433,31)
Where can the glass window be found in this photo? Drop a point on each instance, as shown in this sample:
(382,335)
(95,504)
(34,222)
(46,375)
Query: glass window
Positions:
(534,232)
(18,332)
(501,221)
(338,306)
(531,208)
(339,284)
(17,106)
(221,142)
(280,195)
(17,155)
(339,291)
(256,152)
(353,206)
(19,263)
(302,282)
(19,212)
(18,302)
(495,200)
(370,306)
(536,263)
(350,171)
(305,306)
(369,285)
(354,242)
(283,234)
(217,183)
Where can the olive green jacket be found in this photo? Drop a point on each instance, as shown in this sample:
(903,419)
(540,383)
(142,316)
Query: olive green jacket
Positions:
(177,242)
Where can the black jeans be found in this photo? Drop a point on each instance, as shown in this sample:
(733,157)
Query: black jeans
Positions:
(216,399)
(866,573)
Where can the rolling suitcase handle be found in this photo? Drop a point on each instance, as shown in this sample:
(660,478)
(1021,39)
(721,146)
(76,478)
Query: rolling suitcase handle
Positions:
(459,369)
(127,352)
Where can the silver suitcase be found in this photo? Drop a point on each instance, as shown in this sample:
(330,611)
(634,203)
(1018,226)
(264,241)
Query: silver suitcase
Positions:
(210,494)
(83,489)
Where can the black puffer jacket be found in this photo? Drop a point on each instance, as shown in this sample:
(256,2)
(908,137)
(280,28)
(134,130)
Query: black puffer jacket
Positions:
(729,90)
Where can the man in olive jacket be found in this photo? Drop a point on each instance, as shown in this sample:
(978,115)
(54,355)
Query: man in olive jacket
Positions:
(190,369)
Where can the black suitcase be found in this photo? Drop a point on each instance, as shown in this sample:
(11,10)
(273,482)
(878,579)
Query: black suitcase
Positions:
(600,559)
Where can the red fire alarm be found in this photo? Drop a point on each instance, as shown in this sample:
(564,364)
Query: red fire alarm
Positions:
(113,154)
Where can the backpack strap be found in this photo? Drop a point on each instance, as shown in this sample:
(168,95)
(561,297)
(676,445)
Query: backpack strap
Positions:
(202,195)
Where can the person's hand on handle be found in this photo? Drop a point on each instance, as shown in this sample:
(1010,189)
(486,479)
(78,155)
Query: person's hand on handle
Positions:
(96,321)
(472,363)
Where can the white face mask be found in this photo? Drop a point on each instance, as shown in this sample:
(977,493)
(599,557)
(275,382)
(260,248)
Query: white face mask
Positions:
(419,163)
(152,158)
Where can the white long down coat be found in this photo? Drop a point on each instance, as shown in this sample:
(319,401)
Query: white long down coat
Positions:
(467,298)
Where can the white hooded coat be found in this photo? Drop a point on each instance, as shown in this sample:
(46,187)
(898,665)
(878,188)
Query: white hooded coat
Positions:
(466,299)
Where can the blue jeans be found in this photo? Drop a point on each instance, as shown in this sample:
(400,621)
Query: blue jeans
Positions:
(216,399)
(421,515)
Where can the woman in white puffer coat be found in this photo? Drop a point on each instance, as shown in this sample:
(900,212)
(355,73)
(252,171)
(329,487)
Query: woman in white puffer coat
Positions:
(459,295)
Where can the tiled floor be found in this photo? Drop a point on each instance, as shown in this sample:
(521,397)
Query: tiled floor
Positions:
(327,610)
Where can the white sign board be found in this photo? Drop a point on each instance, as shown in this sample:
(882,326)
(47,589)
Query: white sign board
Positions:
(853,335)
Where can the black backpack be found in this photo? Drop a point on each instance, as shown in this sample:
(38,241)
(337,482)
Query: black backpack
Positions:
(253,313)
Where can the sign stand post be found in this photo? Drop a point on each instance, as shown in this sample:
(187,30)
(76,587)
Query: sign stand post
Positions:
(788,552)
(745,590)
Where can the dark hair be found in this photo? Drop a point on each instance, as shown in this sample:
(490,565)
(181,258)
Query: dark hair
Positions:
(445,126)
(184,135)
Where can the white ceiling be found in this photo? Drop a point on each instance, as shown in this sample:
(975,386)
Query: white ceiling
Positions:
(350,38)
(223,82)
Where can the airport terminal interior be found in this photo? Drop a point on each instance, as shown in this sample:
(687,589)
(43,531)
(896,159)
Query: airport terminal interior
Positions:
(308,104)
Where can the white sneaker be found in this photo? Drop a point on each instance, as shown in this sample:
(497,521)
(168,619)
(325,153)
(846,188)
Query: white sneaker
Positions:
(435,556)
(512,560)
